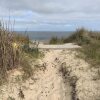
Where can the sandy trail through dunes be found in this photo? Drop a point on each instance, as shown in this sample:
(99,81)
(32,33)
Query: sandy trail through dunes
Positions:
(52,84)
(49,86)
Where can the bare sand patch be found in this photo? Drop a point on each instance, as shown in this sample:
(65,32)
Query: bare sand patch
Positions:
(49,84)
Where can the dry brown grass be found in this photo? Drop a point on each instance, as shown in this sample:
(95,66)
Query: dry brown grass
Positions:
(11,53)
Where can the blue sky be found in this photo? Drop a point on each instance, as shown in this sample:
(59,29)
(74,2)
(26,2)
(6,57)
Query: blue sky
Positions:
(51,15)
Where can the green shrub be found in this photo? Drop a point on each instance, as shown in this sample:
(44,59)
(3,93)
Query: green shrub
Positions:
(34,52)
(81,36)
(54,40)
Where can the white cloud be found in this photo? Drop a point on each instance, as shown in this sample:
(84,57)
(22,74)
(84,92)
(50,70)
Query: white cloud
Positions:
(50,11)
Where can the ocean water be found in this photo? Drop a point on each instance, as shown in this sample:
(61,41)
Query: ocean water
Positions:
(33,35)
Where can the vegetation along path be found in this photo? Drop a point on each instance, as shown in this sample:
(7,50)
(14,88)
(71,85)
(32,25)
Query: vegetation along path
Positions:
(76,82)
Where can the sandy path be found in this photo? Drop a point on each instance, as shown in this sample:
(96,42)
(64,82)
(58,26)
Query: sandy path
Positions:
(49,86)
(61,46)
(51,82)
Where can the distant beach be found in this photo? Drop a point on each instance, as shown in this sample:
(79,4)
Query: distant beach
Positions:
(46,35)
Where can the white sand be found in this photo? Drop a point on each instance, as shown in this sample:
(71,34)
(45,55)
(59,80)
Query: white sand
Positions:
(50,85)
(62,46)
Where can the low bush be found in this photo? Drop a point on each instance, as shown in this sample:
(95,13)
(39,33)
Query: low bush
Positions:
(33,52)
(54,40)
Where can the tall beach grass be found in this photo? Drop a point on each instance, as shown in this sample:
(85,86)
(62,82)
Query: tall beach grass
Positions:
(13,53)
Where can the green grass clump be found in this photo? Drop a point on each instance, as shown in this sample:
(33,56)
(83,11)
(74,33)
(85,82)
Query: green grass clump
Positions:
(33,52)
(88,40)
(90,43)
(54,40)
(92,53)
(80,36)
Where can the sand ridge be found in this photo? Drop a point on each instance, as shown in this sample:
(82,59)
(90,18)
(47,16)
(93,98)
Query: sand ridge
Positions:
(49,84)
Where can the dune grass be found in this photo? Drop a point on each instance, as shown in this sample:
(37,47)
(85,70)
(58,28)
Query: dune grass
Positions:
(80,36)
(9,52)
(88,40)
(55,40)
(13,54)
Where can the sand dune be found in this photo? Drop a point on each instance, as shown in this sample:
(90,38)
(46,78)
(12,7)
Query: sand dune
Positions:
(50,85)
